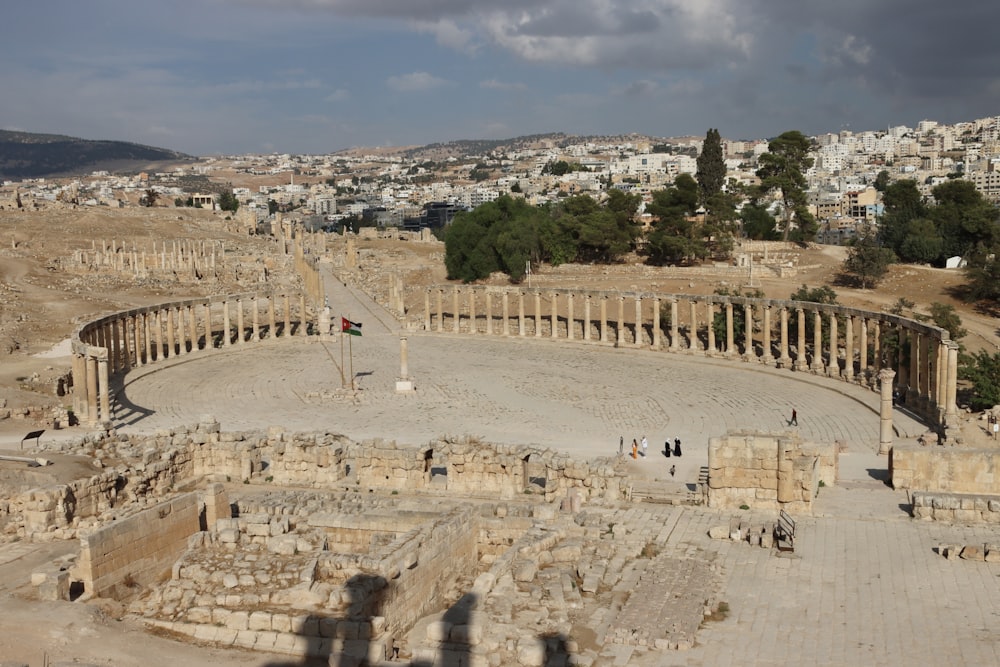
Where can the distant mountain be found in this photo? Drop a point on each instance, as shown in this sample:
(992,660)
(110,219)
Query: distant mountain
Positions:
(31,155)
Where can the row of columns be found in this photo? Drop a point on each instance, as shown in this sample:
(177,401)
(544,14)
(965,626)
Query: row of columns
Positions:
(927,383)
(133,339)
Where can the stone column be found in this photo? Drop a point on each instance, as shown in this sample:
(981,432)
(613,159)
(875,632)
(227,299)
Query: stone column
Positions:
(181,343)
(933,349)
(675,316)
(784,361)
(817,363)
(489,313)
(146,325)
(137,338)
(404,359)
(303,324)
(951,385)
(586,317)
(620,340)
(554,313)
(913,390)
(241,337)
(730,337)
(710,348)
(863,349)
(768,356)
(227,327)
(638,321)
(885,378)
(440,309)
(193,324)
(800,350)
(473,325)
(833,368)
(657,342)
(538,313)
(505,330)
(693,326)
(93,417)
(171,337)
(80,388)
(207,309)
(520,314)
(158,321)
(877,345)
(104,389)
(604,318)
(255,318)
(849,348)
(272,317)
(749,353)
(288,317)
(569,317)
(116,345)
(427,310)
(902,370)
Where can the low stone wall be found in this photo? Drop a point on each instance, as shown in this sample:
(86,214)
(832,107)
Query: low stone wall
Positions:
(769,470)
(137,550)
(956,507)
(945,469)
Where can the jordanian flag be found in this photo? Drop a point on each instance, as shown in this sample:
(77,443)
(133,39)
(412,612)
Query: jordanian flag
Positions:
(347,326)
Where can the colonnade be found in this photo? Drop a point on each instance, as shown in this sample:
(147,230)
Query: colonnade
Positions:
(111,346)
(836,341)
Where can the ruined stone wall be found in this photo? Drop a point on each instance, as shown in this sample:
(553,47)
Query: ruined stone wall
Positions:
(135,551)
(425,566)
(772,470)
(946,469)
(956,507)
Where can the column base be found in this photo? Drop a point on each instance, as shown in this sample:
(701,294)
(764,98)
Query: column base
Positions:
(404,386)
(767,359)
(784,362)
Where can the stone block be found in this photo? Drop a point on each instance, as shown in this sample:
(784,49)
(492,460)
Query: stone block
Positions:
(719,532)
(525,570)
(238,620)
(972,552)
(439,631)
(260,620)
(530,652)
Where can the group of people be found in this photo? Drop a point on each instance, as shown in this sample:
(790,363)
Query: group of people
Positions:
(643,445)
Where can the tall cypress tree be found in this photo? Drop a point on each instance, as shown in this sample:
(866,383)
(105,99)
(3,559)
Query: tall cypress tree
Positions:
(711,172)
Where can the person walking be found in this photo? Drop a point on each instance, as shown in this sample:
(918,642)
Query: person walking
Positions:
(673,469)
(677,446)
(666,448)
(621,445)
(794,421)
(645,446)
(635,449)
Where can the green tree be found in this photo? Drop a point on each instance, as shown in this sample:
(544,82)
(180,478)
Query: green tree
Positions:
(758,224)
(867,261)
(902,203)
(967,222)
(675,236)
(983,373)
(711,172)
(922,243)
(228,202)
(149,198)
(782,169)
(944,316)
(882,181)
(983,276)
(739,314)
(824,295)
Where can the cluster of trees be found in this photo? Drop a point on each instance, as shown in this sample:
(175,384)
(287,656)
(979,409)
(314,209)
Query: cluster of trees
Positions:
(506,234)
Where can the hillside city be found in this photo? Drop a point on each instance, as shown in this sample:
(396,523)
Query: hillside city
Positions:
(425,187)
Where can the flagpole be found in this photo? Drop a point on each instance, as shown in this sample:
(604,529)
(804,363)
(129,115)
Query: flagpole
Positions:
(350,347)
(343,382)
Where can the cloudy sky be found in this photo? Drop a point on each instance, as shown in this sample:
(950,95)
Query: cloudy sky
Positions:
(314,76)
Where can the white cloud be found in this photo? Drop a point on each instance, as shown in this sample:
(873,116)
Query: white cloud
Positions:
(414,82)
(339,95)
(493,84)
